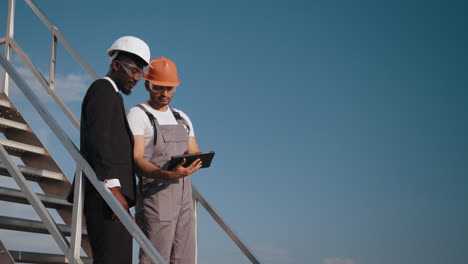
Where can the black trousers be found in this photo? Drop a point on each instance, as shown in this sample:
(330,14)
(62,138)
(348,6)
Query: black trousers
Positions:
(110,241)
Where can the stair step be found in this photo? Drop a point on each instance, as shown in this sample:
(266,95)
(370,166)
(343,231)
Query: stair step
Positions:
(34,174)
(33,226)
(34,257)
(17,148)
(16,196)
(7,123)
(5,103)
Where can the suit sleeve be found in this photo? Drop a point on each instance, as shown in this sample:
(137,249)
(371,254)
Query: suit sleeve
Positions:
(101,107)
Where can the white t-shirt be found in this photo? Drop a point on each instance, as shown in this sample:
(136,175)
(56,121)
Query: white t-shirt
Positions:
(141,125)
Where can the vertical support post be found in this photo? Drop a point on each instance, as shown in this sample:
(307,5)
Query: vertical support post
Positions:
(77,219)
(53,59)
(9,35)
(195,209)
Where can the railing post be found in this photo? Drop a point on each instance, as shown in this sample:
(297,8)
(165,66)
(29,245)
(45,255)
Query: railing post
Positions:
(53,59)
(195,210)
(247,252)
(62,40)
(77,219)
(9,35)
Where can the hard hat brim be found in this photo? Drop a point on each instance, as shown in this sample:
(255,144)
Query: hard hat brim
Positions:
(171,84)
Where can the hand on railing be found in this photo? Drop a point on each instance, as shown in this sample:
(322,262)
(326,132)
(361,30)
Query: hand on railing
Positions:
(119,196)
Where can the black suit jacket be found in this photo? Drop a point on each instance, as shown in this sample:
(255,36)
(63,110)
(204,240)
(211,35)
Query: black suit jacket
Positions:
(106,140)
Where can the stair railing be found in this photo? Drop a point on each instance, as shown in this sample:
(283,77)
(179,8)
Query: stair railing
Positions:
(83,166)
(49,85)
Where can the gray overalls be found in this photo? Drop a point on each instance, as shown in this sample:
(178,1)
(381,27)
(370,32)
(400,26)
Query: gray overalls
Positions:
(164,209)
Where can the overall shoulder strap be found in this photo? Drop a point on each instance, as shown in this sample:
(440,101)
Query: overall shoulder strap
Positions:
(152,120)
(179,117)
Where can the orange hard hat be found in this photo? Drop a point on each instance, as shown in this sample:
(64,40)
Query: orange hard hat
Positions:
(162,71)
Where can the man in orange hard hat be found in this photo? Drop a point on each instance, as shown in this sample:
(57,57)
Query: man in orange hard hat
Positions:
(164,210)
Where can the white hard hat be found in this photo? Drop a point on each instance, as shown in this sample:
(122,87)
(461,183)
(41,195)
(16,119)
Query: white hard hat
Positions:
(132,45)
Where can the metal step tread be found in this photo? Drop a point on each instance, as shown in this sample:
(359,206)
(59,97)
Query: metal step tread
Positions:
(13,124)
(35,257)
(16,196)
(5,103)
(35,173)
(33,226)
(21,147)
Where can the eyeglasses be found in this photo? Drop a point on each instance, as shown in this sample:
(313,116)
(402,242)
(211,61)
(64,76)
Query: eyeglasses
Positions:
(132,70)
(160,89)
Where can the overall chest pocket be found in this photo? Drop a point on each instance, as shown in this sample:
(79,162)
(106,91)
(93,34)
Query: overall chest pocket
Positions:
(175,133)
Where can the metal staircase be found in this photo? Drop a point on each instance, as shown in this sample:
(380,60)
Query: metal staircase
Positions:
(20,144)
(21,141)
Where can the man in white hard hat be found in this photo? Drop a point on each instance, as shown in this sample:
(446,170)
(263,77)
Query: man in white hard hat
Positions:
(106,142)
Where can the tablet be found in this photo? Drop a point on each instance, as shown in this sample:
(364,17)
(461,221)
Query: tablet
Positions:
(205,157)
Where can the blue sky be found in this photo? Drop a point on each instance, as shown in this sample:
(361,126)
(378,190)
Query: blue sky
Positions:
(339,127)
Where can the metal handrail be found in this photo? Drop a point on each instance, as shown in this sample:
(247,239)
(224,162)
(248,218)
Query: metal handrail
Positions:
(62,39)
(82,164)
(224,226)
(56,35)
(44,83)
(49,86)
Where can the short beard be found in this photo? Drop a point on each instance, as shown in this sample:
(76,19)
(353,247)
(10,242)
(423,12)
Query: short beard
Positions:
(126,92)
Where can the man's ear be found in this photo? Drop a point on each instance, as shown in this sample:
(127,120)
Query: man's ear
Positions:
(147,86)
(115,65)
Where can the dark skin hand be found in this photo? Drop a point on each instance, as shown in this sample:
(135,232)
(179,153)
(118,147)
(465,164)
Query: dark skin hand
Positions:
(119,196)
(176,173)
